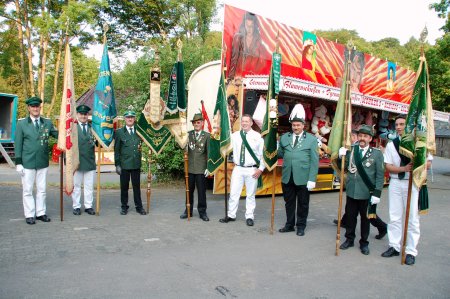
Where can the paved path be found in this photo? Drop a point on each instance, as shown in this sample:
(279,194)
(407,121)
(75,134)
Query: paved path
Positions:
(161,256)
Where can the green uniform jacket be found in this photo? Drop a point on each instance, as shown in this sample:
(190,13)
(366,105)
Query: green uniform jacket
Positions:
(302,161)
(198,152)
(30,145)
(127,149)
(373,163)
(86,148)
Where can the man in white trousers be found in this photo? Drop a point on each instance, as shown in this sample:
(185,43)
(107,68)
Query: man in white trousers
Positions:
(249,165)
(86,171)
(399,168)
(31,151)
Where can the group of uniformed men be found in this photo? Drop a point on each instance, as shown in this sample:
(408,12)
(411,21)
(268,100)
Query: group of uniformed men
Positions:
(299,150)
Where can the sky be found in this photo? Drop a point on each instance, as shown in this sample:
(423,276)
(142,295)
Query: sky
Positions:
(373,20)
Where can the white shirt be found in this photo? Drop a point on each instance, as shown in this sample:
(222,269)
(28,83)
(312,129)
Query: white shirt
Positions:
(256,144)
(392,157)
(34,119)
(130,128)
(299,137)
(364,150)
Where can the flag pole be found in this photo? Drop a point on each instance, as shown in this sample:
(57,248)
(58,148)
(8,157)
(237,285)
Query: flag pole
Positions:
(186,179)
(61,183)
(149,179)
(344,142)
(226,185)
(405,229)
(272,218)
(99,159)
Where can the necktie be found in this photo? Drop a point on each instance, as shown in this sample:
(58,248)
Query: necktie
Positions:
(84,129)
(197,134)
(242,156)
(361,153)
(296,141)
(36,124)
(131,131)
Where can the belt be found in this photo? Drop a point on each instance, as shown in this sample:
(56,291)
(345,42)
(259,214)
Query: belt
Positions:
(250,166)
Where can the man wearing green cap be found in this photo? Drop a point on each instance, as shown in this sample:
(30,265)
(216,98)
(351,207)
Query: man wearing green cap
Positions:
(31,151)
(127,155)
(300,153)
(86,171)
(364,183)
(198,144)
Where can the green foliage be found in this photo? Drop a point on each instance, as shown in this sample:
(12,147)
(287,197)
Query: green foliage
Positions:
(167,166)
(442,10)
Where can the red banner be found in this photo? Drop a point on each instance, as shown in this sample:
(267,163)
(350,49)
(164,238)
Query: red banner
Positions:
(250,39)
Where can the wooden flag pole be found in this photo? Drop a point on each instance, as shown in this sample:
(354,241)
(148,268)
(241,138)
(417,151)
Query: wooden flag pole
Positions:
(97,210)
(186,178)
(61,183)
(149,180)
(226,185)
(344,142)
(272,218)
(405,228)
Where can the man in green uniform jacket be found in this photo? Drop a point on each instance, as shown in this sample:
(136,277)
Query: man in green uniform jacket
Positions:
(86,171)
(127,156)
(300,153)
(198,144)
(31,151)
(364,183)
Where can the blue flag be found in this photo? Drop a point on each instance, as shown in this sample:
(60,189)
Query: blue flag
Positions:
(104,107)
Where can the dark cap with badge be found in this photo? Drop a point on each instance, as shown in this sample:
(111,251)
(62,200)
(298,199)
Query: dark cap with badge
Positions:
(83,109)
(33,101)
(365,129)
(197,116)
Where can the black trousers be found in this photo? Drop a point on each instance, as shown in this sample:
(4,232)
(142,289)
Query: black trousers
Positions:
(135,175)
(296,198)
(199,181)
(377,222)
(352,209)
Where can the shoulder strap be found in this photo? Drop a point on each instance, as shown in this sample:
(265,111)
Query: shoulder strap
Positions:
(362,172)
(247,146)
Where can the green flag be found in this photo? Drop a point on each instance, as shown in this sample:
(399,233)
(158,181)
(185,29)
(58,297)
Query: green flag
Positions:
(419,139)
(155,137)
(270,123)
(342,123)
(220,142)
(175,113)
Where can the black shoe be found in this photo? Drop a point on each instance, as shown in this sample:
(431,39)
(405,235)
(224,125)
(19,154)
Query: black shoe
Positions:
(381,234)
(141,211)
(249,222)
(76,212)
(227,219)
(410,260)
(390,252)
(347,244)
(123,211)
(204,217)
(43,218)
(300,231)
(286,229)
(335,221)
(365,250)
(30,220)
(183,216)
(90,211)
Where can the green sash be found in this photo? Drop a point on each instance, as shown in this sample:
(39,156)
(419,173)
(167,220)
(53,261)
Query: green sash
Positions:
(372,210)
(403,159)
(247,146)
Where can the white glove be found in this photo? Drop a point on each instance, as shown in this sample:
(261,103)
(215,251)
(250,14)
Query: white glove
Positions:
(374,200)
(118,170)
(206,173)
(342,152)
(310,185)
(20,169)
